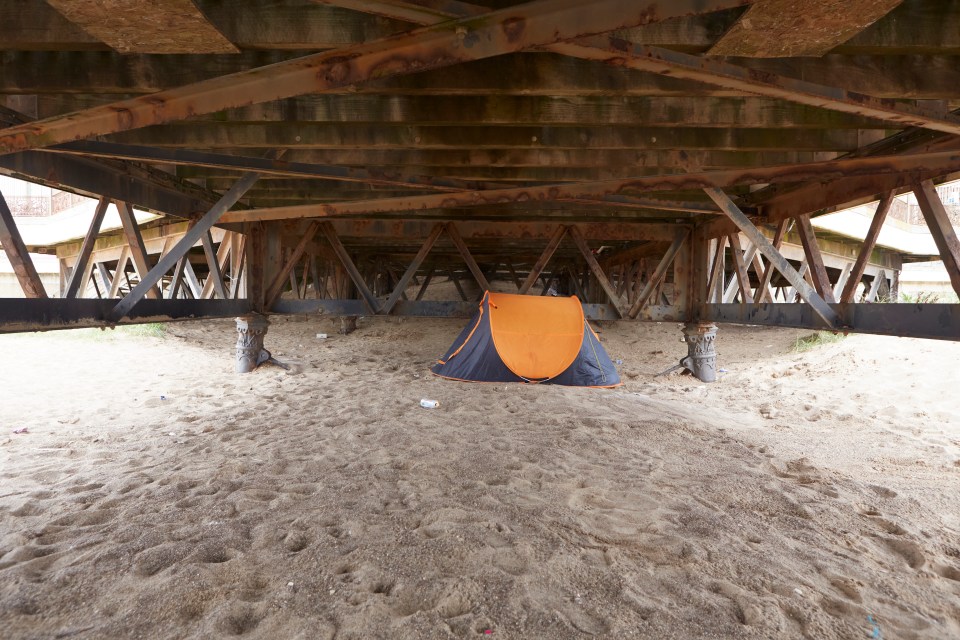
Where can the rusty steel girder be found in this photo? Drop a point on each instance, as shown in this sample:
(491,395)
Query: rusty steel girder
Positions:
(941,162)
(449,43)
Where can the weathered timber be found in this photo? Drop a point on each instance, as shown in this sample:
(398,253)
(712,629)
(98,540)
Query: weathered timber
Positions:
(216,261)
(811,250)
(138,252)
(941,228)
(771,85)
(869,242)
(740,269)
(197,231)
(288,269)
(12,243)
(454,234)
(595,267)
(787,29)
(774,256)
(418,308)
(493,34)
(346,261)
(78,276)
(171,26)
(658,275)
(900,167)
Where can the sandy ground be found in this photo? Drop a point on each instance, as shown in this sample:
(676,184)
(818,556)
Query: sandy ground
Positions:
(805,495)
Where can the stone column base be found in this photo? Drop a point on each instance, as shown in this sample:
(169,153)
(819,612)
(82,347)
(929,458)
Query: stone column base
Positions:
(701,358)
(250,333)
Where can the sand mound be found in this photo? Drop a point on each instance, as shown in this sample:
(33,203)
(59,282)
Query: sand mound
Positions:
(326,503)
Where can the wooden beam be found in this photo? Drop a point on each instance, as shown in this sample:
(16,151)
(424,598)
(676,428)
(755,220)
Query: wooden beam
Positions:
(138,252)
(595,268)
(331,235)
(407,276)
(897,166)
(731,76)
(216,261)
(422,12)
(171,26)
(658,275)
(12,243)
(869,242)
(498,32)
(472,265)
(78,276)
(715,284)
(118,273)
(782,228)
(276,287)
(942,230)
(774,256)
(811,249)
(740,269)
(542,261)
(787,29)
(197,232)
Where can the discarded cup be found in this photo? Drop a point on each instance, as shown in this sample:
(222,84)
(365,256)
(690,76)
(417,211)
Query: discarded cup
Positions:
(21,430)
(321,336)
(429,404)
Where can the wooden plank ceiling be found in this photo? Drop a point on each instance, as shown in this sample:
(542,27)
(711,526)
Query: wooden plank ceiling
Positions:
(487,108)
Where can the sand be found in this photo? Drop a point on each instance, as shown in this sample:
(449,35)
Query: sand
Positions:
(804,495)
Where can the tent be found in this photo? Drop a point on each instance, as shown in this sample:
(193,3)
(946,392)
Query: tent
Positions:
(534,339)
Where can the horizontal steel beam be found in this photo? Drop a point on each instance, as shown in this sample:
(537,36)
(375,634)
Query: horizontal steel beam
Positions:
(20,315)
(934,321)
(418,308)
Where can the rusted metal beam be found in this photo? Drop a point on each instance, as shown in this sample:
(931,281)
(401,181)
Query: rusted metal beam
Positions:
(341,252)
(788,29)
(595,268)
(935,321)
(811,249)
(731,76)
(869,242)
(454,234)
(658,275)
(404,280)
(422,12)
(944,235)
(171,26)
(196,232)
(496,33)
(78,277)
(899,166)
(774,256)
(12,243)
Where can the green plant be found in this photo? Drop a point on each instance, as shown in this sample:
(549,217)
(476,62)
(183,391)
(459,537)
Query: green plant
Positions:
(148,330)
(921,297)
(818,339)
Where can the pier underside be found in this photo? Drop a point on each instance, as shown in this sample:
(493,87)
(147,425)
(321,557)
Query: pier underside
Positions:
(661,161)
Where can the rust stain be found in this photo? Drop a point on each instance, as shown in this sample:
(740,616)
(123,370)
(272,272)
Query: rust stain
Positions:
(513,29)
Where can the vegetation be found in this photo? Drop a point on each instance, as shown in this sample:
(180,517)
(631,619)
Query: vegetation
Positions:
(818,339)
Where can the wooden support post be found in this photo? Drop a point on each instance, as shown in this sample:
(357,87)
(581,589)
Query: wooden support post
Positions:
(238,277)
(138,251)
(331,235)
(472,265)
(843,277)
(425,284)
(577,236)
(747,227)
(740,269)
(542,261)
(276,287)
(78,277)
(17,253)
(513,274)
(715,285)
(214,282)
(456,283)
(254,273)
(418,259)
(105,278)
(875,286)
(811,249)
(119,272)
(944,235)
(782,229)
(177,278)
(658,275)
